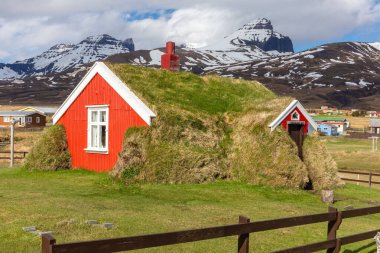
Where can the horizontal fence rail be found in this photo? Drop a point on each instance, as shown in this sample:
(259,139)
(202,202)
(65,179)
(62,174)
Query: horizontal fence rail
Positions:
(21,153)
(359,172)
(242,230)
(370,181)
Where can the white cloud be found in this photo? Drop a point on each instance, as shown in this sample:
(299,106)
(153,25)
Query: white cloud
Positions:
(28,27)
(194,25)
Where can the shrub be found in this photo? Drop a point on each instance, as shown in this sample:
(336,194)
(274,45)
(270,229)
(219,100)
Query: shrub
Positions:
(322,168)
(50,152)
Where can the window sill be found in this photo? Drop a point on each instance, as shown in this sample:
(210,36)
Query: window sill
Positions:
(96,151)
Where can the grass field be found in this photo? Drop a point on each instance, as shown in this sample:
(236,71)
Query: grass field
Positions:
(358,122)
(353,154)
(62,201)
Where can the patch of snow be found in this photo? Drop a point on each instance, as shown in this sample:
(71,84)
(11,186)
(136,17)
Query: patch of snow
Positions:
(142,60)
(309,56)
(155,55)
(363,83)
(375,45)
(268,74)
(350,60)
(326,66)
(336,61)
(237,68)
(18,81)
(351,84)
(7,73)
(313,75)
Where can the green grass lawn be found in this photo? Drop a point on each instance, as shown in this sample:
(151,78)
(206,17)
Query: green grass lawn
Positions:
(353,154)
(62,201)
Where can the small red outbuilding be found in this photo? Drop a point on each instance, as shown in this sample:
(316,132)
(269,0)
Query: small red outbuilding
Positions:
(297,122)
(96,116)
(295,117)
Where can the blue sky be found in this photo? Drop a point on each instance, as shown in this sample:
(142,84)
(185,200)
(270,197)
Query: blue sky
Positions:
(369,33)
(27,28)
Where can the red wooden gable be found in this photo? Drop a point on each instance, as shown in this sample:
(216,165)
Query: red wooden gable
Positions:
(121,117)
(302,118)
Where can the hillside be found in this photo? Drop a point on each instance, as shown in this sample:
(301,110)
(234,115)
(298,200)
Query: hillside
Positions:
(343,75)
(209,128)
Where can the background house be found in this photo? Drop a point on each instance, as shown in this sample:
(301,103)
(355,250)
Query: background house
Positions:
(328,129)
(27,119)
(47,111)
(341,123)
(374,125)
(373,114)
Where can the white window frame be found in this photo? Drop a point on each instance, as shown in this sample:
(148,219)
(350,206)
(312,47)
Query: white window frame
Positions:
(29,120)
(38,120)
(7,119)
(298,118)
(98,108)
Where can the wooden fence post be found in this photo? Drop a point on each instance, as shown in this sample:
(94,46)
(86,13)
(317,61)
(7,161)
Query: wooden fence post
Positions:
(243,240)
(332,228)
(370,179)
(47,243)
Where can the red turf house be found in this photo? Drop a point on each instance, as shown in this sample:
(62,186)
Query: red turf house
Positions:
(295,117)
(96,116)
(297,122)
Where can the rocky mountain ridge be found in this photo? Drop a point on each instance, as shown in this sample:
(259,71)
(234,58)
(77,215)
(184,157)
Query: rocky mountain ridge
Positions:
(343,74)
(61,57)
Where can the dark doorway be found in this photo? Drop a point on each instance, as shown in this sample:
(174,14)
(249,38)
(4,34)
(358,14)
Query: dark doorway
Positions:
(296,133)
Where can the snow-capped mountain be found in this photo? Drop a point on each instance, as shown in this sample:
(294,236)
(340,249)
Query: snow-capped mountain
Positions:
(256,40)
(64,56)
(345,75)
(339,74)
(257,34)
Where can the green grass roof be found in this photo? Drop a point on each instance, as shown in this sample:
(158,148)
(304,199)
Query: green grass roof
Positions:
(211,94)
(328,119)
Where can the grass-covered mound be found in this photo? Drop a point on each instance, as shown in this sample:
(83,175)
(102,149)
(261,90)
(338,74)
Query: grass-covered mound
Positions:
(50,152)
(207,128)
(321,166)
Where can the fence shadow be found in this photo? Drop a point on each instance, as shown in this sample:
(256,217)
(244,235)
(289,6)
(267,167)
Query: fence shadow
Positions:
(363,248)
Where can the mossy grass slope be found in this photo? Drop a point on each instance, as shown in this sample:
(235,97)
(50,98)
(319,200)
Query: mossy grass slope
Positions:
(207,128)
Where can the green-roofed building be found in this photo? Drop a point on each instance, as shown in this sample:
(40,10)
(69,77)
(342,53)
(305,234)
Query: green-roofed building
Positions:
(341,123)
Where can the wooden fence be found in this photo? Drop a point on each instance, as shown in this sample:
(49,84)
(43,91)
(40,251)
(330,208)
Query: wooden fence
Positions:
(368,181)
(6,155)
(242,230)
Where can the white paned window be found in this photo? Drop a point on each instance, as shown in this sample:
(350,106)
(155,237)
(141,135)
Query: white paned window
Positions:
(38,120)
(7,119)
(97,131)
(28,119)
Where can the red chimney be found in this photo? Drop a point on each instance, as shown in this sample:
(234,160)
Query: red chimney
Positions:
(170,60)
